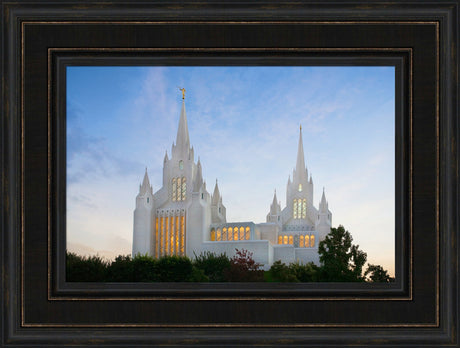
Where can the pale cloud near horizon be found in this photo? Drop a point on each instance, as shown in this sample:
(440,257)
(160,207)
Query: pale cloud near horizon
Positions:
(248,141)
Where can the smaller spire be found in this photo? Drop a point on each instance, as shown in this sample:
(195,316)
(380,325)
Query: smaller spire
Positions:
(166,156)
(216,195)
(323,204)
(145,183)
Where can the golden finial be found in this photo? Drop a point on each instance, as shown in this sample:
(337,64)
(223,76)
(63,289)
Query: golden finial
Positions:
(183,92)
(300,127)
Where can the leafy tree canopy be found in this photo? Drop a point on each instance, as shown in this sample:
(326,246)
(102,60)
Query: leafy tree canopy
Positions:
(341,261)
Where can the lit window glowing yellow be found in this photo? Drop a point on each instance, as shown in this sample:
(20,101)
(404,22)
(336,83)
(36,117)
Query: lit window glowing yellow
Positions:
(235,234)
(213,235)
(167,235)
(182,235)
(177,232)
(241,233)
(219,235)
(157,242)
(285,239)
(307,241)
(230,233)
(248,233)
(300,187)
(301,241)
(312,240)
(224,233)
(291,239)
(162,247)
(280,239)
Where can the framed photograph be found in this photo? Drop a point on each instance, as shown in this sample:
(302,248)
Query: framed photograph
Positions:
(355,106)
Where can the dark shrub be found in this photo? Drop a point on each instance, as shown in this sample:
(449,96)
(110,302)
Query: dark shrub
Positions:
(279,272)
(304,272)
(174,269)
(144,269)
(214,266)
(121,270)
(85,269)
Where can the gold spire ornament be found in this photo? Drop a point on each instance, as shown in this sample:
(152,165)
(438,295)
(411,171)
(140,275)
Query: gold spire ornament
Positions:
(183,92)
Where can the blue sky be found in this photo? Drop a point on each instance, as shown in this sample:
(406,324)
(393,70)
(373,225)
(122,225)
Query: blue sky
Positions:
(244,126)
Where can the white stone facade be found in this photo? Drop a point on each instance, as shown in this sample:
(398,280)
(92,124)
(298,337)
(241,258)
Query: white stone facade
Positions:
(183,218)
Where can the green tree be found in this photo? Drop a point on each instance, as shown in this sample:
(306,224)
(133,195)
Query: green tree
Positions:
(376,273)
(214,266)
(174,269)
(341,261)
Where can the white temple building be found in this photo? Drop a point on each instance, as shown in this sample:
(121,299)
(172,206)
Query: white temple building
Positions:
(183,218)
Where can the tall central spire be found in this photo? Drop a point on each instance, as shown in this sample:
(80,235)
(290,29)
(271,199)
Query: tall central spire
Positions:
(182,139)
(300,169)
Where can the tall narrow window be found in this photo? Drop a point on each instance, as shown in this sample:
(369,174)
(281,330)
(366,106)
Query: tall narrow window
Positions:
(248,233)
(177,232)
(285,239)
(179,188)
(312,240)
(235,233)
(184,189)
(182,235)
(230,233)
(241,233)
(162,248)
(280,239)
(300,187)
(294,209)
(181,164)
(167,237)
(307,241)
(219,235)
(291,240)
(157,241)
(304,209)
(224,233)
(174,189)
(301,241)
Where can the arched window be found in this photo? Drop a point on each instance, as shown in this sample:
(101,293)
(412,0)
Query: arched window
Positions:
(235,233)
(307,241)
(304,209)
(291,240)
(230,233)
(299,209)
(224,233)
(280,239)
(219,235)
(294,209)
(174,189)
(248,233)
(285,239)
(301,241)
(181,164)
(241,233)
(312,240)
(300,187)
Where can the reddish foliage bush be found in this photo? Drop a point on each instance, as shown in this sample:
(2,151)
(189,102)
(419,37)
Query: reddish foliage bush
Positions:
(243,268)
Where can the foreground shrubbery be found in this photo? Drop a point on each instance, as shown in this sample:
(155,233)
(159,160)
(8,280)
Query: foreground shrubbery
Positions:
(340,261)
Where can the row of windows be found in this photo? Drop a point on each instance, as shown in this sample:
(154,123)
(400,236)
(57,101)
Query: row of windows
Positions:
(231,233)
(179,189)
(304,241)
(299,210)
(170,236)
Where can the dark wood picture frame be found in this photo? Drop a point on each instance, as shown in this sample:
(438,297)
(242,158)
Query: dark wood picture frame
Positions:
(40,39)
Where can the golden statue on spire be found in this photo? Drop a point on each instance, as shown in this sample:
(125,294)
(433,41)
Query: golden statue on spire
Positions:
(183,92)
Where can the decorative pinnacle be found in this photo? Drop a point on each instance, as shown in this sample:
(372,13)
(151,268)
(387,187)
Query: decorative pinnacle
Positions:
(183,92)
(301,127)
